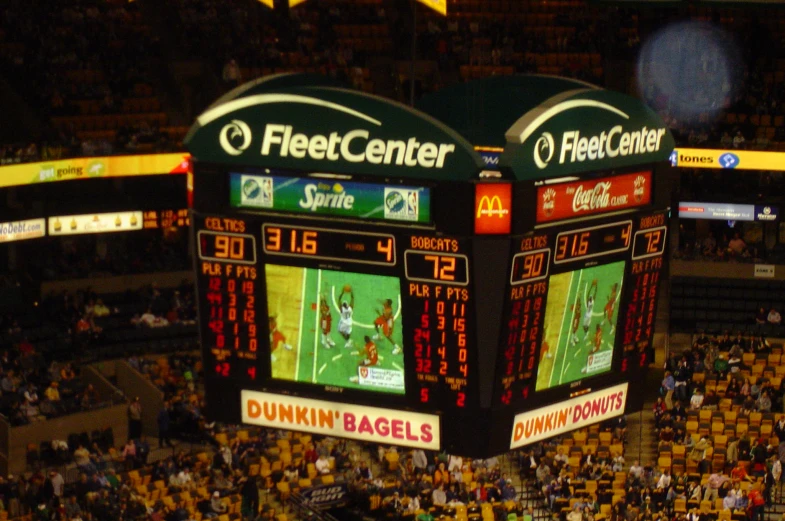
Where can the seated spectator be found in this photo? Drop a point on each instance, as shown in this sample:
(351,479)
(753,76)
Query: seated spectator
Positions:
(129,453)
(736,245)
(89,397)
(83,460)
(31,394)
(696,402)
(322,464)
(764,402)
(216,505)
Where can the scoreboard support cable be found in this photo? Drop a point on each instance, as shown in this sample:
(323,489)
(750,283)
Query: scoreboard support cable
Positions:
(361,275)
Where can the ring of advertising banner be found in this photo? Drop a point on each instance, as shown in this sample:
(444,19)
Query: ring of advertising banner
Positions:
(363,280)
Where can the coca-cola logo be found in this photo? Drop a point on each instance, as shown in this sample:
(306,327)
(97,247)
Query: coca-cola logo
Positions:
(596,198)
(640,188)
(548,201)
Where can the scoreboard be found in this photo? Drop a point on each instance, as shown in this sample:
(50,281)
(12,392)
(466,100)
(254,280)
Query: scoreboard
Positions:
(443,310)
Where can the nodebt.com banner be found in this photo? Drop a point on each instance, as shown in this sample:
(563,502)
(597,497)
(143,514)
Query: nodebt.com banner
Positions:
(22,230)
(331,197)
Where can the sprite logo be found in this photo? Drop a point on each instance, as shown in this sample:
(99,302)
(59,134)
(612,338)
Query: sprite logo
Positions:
(251,188)
(323,195)
(394,202)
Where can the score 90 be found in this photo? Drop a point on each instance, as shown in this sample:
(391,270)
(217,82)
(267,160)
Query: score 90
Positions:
(530,266)
(227,247)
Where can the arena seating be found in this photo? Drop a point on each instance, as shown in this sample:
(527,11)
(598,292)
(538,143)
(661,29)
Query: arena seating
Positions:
(716,305)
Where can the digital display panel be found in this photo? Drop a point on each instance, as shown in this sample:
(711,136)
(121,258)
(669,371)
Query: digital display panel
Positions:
(549,339)
(579,327)
(335,328)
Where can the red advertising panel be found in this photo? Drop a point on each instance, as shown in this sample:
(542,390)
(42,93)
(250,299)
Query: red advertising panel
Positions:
(581,198)
(492,208)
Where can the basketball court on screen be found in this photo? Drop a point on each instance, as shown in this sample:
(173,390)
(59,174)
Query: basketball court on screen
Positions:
(573,346)
(296,297)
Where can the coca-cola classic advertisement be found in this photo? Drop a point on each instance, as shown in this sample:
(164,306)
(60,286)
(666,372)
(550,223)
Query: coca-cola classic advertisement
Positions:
(576,199)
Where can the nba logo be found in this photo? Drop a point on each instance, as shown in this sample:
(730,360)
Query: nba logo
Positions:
(412,206)
(401,204)
(267,190)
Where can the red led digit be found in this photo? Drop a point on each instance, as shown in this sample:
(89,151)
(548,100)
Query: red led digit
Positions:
(461,401)
(424,395)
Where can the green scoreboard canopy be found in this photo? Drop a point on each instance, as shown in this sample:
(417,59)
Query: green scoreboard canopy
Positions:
(292,122)
(552,127)
(547,127)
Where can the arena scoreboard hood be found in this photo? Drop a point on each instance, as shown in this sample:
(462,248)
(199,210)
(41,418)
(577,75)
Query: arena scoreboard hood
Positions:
(361,273)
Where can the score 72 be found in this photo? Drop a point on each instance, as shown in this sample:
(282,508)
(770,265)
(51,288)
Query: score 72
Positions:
(444,268)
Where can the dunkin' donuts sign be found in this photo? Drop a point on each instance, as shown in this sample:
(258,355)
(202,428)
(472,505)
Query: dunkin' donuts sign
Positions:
(577,199)
(572,414)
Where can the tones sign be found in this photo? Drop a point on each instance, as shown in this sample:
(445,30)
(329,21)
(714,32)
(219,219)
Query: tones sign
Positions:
(546,422)
(370,424)
(563,201)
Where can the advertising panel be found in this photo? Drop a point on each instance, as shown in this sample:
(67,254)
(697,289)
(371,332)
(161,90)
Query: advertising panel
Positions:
(566,416)
(764,271)
(577,199)
(326,496)
(717,211)
(93,167)
(369,424)
(492,208)
(95,223)
(728,159)
(22,230)
(331,197)
(440,6)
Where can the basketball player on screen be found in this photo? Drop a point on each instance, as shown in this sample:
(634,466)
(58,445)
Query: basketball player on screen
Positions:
(386,322)
(370,359)
(346,312)
(587,312)
(576,321)
(609,307)
(325,323)
(597,345)
(276,338)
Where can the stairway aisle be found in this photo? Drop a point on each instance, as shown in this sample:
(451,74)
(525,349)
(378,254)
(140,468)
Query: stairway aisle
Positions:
(641,438)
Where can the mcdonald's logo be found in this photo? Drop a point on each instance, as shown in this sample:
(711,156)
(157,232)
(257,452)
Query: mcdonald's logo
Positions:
(492,208)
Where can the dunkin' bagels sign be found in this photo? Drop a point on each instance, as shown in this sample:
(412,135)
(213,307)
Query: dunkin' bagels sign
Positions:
(577,199)
(572,414)
(372,424)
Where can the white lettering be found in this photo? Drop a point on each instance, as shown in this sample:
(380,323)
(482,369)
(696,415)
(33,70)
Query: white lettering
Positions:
(354,147)
(613,143)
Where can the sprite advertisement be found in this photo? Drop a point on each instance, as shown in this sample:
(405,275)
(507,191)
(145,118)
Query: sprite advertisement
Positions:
(330,197)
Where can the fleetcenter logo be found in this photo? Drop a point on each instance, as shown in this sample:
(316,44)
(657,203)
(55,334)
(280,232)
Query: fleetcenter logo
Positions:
(598,142)
(544,149)
(236,132)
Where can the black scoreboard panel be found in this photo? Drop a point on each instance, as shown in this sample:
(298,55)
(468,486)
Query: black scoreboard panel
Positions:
(474,329)
(580,307)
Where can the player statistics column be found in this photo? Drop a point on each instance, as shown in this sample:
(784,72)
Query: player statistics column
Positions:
(226,278)
(439,296)
(528,290)
(641,306)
